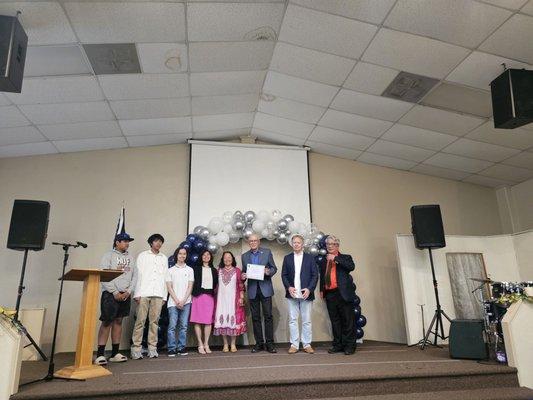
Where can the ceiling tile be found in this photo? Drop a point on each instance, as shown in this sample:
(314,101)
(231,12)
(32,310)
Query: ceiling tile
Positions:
(412,53)
(43,22)
(65,113)
(282,125)
(10,117)
(27,149)
(65,89)
(401,151)
(373,11)
(463,22)
(151,108)
(486,181)
(340,138)
(440,120)
(233,22)
(459,163)
(511,39)
(528,8)
(144,86)
(479,69)
(385,161)
(19,135)
(162,58)
(459,98)
(221,135)
(230,56)
(516,138)
(155,126)
(156,140)
(299,89)
(418,137)
(4,101)
(310,64)
(55,60)
(370,78)
(240,103)
(522,160)
(440,172)
(291,109)
(277,138)
(325,32)
(335,151)
(480,150)
(127,22)
(204,123)
(66,146)
(511,4)
(508,173)
(81,130)
(354,123)
(222,83)
(370,105)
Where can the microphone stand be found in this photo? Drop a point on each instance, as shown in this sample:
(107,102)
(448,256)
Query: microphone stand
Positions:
(51,366)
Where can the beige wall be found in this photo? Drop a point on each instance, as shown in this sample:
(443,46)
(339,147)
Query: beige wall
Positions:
(364,205)
(516,207)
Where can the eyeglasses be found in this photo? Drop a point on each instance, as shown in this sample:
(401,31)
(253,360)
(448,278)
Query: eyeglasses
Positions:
(253,241)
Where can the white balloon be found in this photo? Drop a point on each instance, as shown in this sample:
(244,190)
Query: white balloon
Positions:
(276,215)
(265,233)
(227,228)
(212,239)
(294,226)
(302,229)
(263,215)
(258,226)
(227,217)
(215,225)
(222,238)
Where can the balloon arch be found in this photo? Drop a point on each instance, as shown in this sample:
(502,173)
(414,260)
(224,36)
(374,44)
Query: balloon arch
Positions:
(234,226)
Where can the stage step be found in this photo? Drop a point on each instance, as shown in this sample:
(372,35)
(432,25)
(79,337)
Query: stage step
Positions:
(476,394)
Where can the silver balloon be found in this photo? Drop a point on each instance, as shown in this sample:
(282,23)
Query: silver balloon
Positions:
(323,252)
(288,218)
(270,236)
(282,225)
(313,250)
(320,235)
(275,233)
(204,233)
(237,215)
(247,233)
(238,225)
(198,229)
(316,241)
(282,238)
(249,216)
(234,237)
(271,225)
(288,233)
(213,247)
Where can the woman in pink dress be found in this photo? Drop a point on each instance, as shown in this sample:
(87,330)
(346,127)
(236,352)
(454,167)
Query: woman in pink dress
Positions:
(230,317)
(203,299)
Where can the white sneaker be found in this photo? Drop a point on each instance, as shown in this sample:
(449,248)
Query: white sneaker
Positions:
(136,355)
(101,360)
(153,354)
(117,358)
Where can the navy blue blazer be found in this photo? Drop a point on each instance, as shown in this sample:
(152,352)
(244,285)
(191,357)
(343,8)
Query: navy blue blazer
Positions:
(345,282)
(266,259)
(308,274)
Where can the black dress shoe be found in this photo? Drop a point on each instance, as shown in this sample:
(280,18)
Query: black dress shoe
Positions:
(334,350)
(271,349)
(349,352)
(257,348)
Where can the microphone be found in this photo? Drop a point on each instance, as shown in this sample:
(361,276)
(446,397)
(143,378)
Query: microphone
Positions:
(84,245)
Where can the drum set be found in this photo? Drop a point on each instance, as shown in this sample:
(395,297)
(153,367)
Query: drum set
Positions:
(493,298)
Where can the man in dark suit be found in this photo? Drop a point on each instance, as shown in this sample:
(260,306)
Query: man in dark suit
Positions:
(300,276)
(260,294)
(338,289)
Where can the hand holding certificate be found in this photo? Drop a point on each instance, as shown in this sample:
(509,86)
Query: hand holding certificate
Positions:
(255,271)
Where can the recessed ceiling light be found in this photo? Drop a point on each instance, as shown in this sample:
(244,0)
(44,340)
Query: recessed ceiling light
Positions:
(262,33)
(409,87)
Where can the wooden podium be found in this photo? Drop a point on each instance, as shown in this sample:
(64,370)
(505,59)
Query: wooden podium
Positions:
(83,367)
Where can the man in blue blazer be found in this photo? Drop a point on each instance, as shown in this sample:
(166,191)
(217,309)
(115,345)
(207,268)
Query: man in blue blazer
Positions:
(260,294)
(300,276)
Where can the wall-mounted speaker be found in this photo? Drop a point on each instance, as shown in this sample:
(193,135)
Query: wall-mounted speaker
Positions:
(13,44)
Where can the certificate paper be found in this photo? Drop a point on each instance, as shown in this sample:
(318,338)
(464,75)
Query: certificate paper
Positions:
(255,271)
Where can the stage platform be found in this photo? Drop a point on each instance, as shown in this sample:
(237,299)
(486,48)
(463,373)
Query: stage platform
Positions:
(377,371)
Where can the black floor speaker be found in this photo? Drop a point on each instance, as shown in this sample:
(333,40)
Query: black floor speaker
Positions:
(29,225)
(426,221)
(467,340)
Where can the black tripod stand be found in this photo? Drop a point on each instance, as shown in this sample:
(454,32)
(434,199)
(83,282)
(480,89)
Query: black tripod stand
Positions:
(51,366)
(16,320)
(437,317)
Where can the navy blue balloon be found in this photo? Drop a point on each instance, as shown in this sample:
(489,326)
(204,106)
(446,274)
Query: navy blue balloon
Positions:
(184,245)
(171,261)
(319,258)
(322,242)
(192,259)
(357,300)
(199,245)
(357,311)
(191,238)
(359,333)
(361,321)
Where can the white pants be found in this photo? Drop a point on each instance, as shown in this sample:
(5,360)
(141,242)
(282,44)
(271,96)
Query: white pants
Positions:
(303,308)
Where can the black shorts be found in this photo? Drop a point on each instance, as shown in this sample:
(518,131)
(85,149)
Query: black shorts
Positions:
(111,308)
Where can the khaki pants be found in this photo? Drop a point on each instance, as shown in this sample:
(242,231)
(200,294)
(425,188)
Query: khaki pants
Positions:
(151,307)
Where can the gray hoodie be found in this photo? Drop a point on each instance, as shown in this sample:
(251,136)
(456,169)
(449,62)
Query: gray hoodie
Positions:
(114,259)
